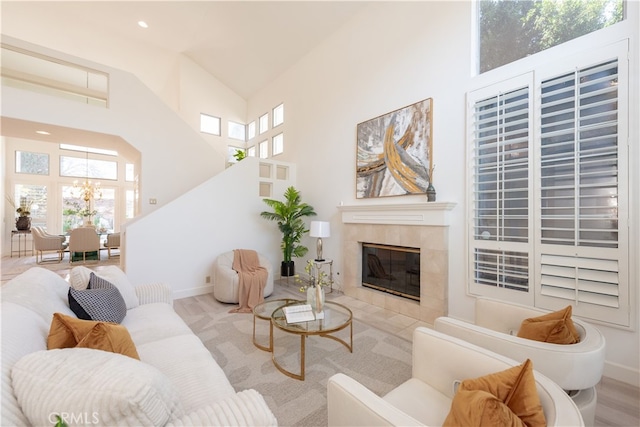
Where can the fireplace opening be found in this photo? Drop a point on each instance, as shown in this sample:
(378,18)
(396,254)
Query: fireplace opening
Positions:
(392,269)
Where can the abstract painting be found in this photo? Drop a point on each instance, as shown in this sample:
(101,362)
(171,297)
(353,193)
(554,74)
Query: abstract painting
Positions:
(394,152)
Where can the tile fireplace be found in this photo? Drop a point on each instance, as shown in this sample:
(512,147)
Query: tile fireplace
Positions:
(422,227)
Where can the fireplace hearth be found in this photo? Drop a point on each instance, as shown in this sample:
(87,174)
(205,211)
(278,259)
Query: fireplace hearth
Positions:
(391,269)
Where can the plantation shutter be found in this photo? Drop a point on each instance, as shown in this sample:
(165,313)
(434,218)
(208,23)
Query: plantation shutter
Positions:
(549,186)
(581,245)
(500,150)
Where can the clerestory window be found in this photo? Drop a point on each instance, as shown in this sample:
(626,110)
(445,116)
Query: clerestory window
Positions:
(510,30)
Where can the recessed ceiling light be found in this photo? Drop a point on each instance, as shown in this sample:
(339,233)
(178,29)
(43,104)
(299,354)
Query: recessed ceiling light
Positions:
(43,132)
(143,24)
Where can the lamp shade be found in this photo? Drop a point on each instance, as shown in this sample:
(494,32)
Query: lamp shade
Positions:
(320,229)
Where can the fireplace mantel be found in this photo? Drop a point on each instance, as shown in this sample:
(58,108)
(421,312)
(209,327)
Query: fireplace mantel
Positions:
(425,213)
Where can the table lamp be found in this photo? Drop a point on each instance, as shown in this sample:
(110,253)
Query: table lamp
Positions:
(320,229)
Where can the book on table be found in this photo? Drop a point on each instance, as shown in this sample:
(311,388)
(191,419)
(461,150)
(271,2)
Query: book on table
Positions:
(300,313)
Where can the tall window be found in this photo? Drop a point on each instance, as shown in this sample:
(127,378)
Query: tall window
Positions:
(263,149)
(236,130)
(263,123)
(510,30)
(278,115)
(33,198)
(550,206)
(105,210)
(277,145)
(210,124)
(251,130)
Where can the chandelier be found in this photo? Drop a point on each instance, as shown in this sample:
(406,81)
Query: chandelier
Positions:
(88,190)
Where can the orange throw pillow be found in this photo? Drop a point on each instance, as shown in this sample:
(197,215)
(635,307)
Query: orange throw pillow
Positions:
(69,332)
(555,328)
(480,408)
(514,387)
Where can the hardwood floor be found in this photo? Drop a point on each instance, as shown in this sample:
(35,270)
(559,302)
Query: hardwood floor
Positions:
(618,402)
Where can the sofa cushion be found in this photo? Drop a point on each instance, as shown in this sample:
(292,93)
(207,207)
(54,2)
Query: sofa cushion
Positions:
(40,290)
(23,332)
(80,276)
(153,322)
(420,401)
(105,388)
(555,328)
(69,332)
(515,387)
(100,301)
(197,377)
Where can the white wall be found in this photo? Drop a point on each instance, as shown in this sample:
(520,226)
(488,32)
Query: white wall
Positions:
(389,56)
(361,72)
(178,244)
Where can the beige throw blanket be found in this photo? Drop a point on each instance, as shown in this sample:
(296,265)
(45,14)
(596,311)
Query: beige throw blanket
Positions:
(252,279)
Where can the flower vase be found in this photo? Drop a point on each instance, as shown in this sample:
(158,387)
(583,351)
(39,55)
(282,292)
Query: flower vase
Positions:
(23,223)
(315,298)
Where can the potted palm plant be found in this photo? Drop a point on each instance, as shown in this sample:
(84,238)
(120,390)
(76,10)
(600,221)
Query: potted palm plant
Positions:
(289,215)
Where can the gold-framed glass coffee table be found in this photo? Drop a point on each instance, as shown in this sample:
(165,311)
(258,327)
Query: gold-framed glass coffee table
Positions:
(336,318)
(264,311)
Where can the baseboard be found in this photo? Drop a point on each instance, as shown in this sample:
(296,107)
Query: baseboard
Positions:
(622,373)
(186,293)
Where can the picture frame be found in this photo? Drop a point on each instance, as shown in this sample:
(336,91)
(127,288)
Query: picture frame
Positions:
(394,152)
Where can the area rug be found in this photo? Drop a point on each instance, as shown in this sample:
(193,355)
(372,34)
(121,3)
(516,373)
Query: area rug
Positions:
(380,361)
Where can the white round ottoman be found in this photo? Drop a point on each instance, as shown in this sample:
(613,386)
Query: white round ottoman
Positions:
(225,278)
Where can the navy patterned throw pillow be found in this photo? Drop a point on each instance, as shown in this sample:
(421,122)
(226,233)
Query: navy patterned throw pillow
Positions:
(101,301)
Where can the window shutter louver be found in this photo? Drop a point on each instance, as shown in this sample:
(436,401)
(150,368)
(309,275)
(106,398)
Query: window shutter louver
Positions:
(501,182)
(579,168)
(579,186)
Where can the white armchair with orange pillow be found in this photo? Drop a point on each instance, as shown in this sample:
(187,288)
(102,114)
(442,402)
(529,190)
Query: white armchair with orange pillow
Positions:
(454,383)
(547,338)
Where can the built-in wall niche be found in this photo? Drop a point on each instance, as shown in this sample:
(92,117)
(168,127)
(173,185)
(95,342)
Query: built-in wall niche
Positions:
(282,172)
(266,189)
(269,173)
(265,170)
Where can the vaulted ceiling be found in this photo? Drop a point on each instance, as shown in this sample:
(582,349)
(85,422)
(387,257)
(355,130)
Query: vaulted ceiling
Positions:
(244,44)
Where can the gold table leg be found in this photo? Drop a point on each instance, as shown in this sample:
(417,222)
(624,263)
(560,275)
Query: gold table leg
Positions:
(303,338)
(255,342)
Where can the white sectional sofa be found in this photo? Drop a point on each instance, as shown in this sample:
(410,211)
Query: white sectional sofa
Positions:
(175,382)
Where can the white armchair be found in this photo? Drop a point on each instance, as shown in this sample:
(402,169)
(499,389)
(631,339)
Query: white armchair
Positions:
(576,368)
(440,362)
(226,280)
(45,242)
(112,242)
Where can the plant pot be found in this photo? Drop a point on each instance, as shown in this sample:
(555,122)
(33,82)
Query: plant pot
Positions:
(287,269)
(23,223)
